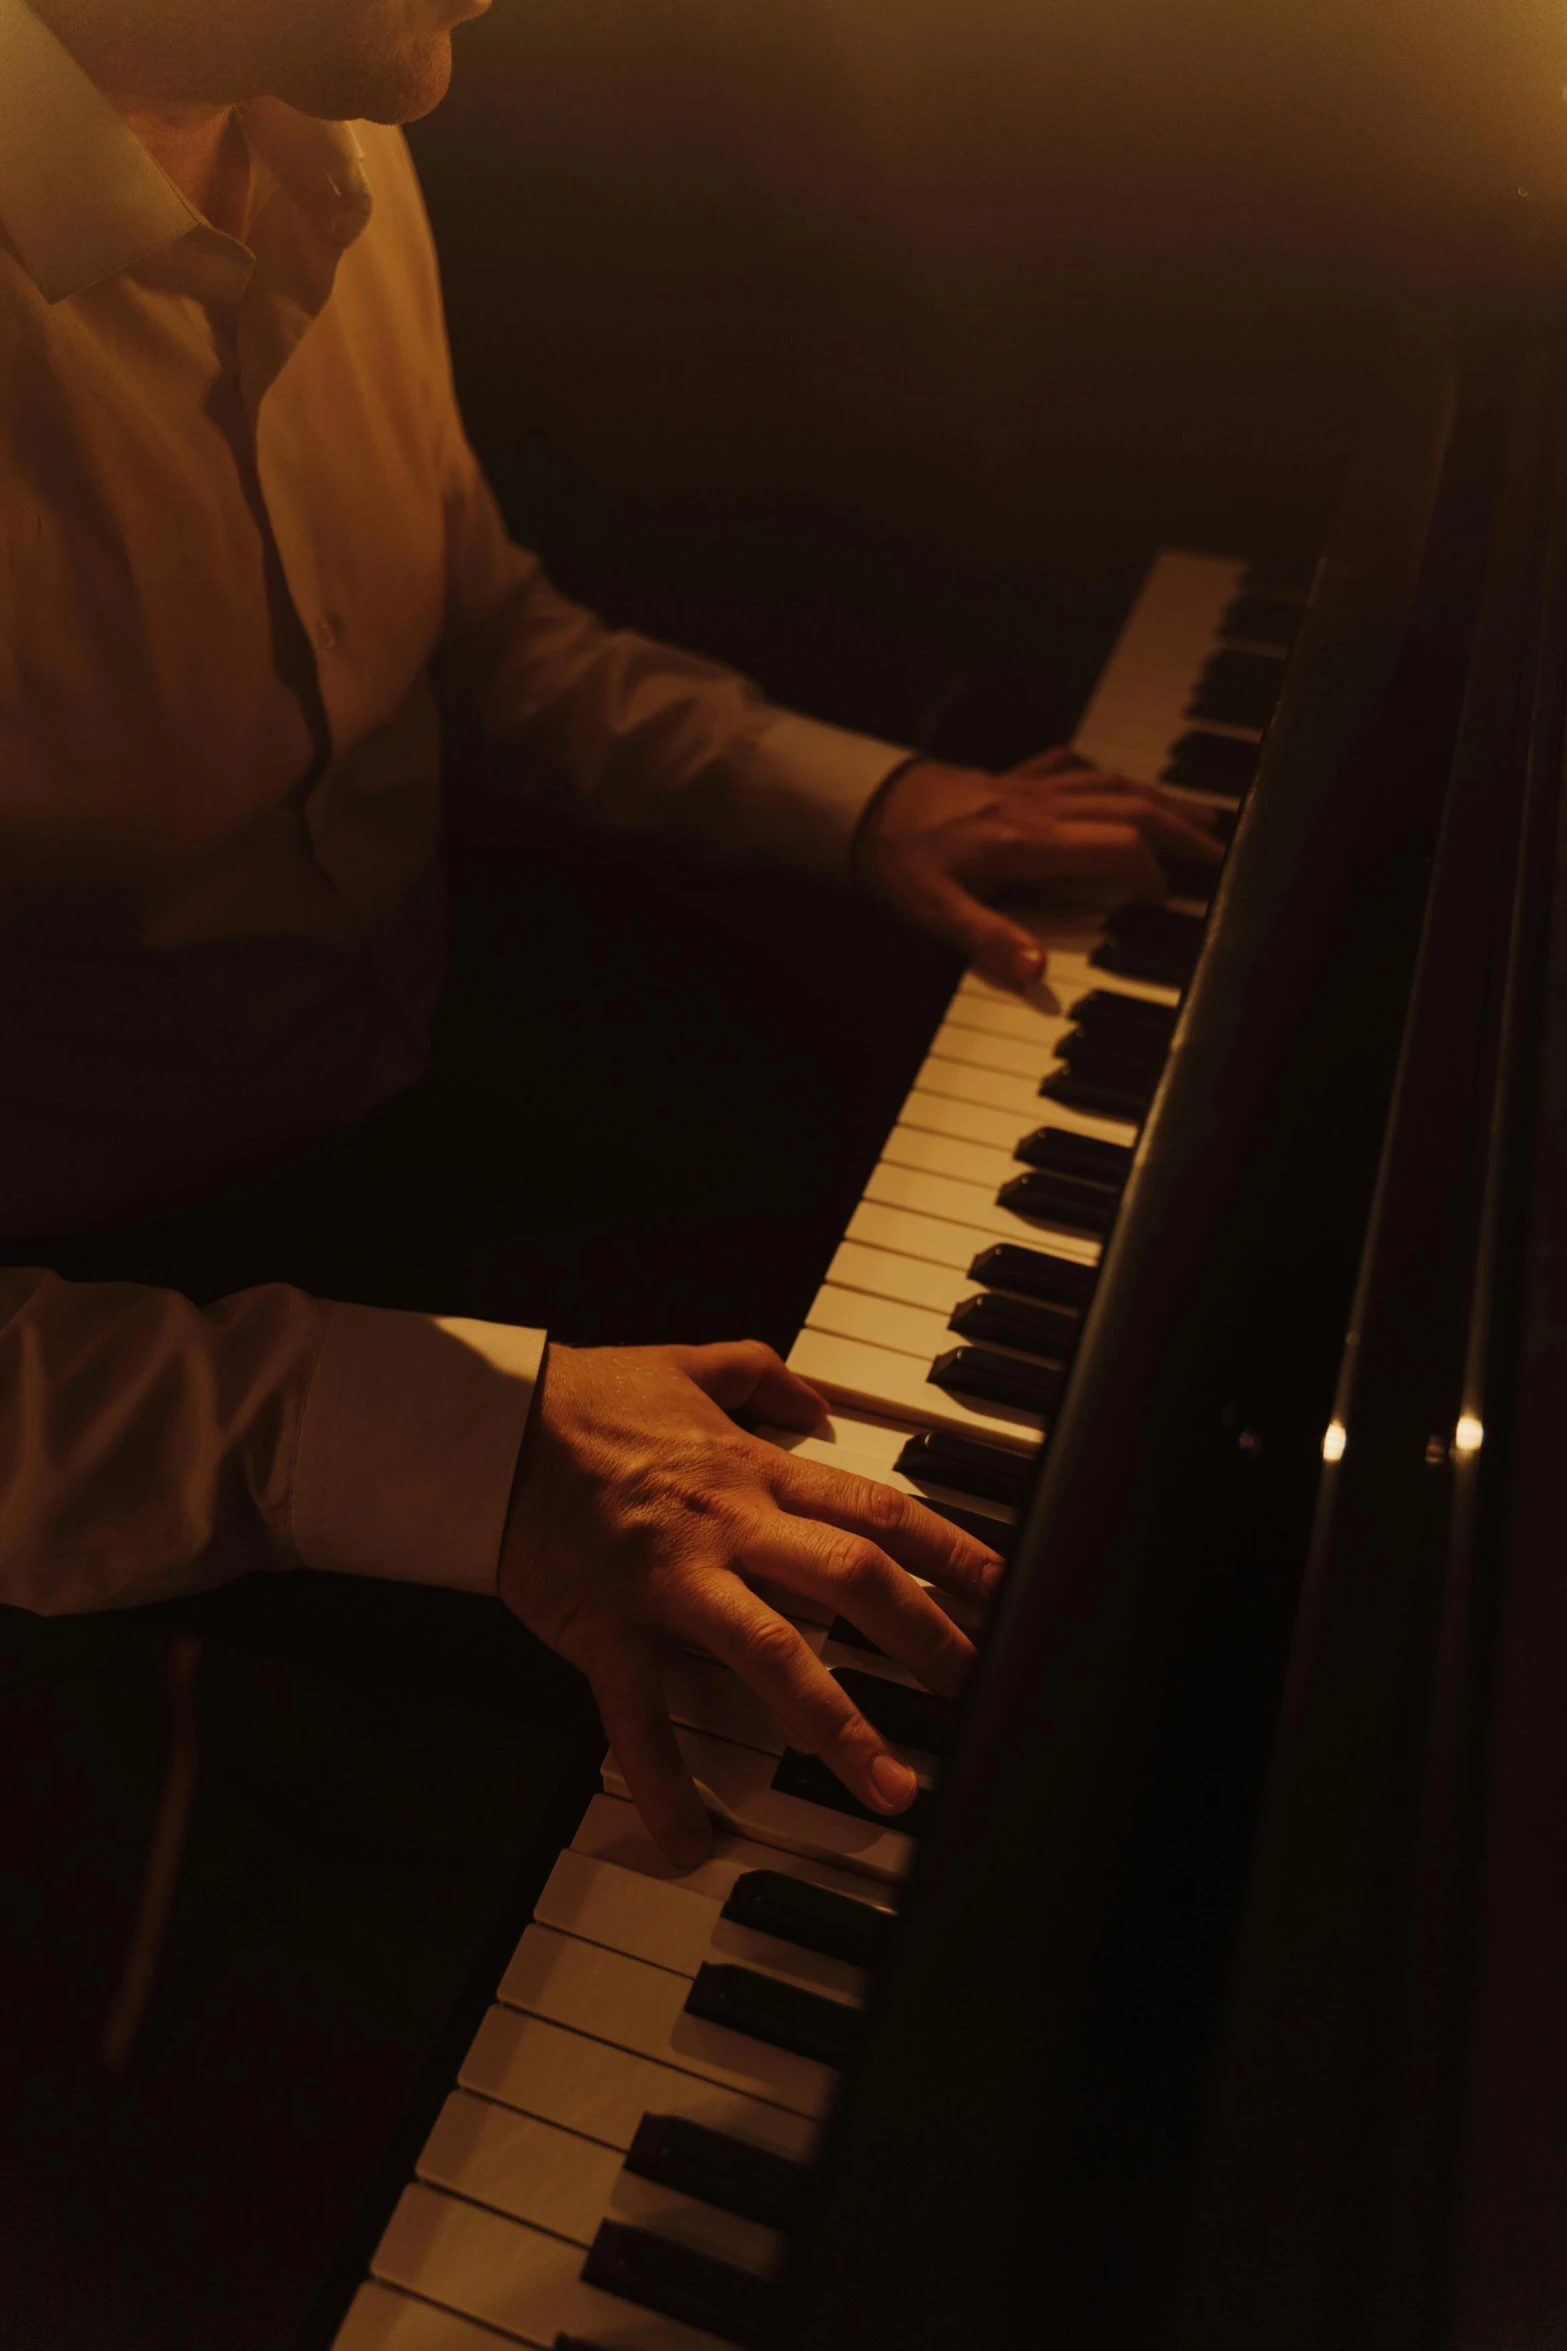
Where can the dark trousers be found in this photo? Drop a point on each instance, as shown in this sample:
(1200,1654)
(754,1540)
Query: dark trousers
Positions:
(657,1089)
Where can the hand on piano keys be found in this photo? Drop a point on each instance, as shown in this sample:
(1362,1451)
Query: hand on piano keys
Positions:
(937,834)
(644,1522)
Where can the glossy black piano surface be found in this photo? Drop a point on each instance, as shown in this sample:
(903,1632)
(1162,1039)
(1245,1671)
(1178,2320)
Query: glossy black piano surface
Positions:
(1220,2009)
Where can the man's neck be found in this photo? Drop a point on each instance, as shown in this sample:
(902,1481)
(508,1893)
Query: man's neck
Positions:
(202,149)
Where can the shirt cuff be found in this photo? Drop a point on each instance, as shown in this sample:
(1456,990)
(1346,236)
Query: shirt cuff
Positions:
(408,1445)
(808,787)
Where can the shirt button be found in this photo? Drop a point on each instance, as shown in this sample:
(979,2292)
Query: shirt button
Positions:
(328,630)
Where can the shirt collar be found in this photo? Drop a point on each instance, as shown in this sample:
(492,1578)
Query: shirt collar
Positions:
(82,199)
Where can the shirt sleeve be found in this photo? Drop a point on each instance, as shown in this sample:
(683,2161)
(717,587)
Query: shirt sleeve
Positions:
(150,1447)
(624,731)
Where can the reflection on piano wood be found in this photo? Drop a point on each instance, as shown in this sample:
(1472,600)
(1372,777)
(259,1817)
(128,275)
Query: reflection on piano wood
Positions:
(619,2160)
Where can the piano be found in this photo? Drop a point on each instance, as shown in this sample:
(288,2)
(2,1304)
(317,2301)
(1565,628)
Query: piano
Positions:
(1209,1992)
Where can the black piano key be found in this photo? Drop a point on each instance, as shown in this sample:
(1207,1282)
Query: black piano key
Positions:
(1065,1153)
(1133,1049)
(1108,1012)
(718,2169)
(993,1532)
(1237,689)
(1135,960)
(807,1777)
(1194,881)
(813,1917)
(966,1464)
(1103,1088)
(909,1718)
(997,1379)
(1050,1331)
(1206,762)
(765,2008)
(575,2343)
(844,1630)
(1163,926)
(1154,943)
(1033,1273)
(1261,620)
(1062,1200)
(1287,576)
(678,2282)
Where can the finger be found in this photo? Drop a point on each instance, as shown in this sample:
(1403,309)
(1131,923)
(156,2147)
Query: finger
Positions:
(1062,761)
(916,1538)
(855,1578)
(1184,829)
(629,1692)
(1165,828)
(1102,852)
(768,1654)
(1002,949)
(741,1372)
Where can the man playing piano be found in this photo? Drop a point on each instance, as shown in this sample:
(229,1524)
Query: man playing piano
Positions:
(252,576)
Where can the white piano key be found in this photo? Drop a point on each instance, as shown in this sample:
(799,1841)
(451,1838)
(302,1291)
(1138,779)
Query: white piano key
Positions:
(589,2086)
(381,2319)
(967,1122)
(510,2276)
(669,1924)
(536,2172)
(643,2009)
(845,1441)
(611,1830)
(1046,1003)
(704,1696)
(885,1273)
(1156,661)
(735,1783)
(997,1016)
(854,1314)
(1072,975)
(883,1470)
(971,1162)
(859,1374)
(707,1697)
(1019,1056)
(974,1205)
(936,1240)
(995,1089)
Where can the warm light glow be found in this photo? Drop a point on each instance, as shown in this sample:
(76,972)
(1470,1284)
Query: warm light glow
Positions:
(1334,1439)
(1469,1435)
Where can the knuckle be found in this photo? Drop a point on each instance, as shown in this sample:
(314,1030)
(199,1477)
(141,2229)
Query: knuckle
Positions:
(770,1646)
(885,1509)
(853,1561)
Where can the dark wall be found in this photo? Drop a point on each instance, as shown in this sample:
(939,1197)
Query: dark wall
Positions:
(810,329)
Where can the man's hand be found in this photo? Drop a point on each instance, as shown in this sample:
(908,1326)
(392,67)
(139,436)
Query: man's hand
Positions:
(937,835)
(639,1514)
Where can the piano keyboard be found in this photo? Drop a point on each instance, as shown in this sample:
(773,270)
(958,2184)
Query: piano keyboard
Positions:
(618,2161)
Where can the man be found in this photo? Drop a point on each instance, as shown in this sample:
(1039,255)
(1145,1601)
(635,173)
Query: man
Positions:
(252,576)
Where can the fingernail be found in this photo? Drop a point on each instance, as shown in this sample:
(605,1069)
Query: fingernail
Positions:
(1028,963)
(894,1783)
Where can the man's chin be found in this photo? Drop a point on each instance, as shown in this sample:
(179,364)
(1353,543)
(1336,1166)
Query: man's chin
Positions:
(396,88)
(415,83)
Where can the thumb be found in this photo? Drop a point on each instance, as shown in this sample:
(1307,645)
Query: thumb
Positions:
(1002,949)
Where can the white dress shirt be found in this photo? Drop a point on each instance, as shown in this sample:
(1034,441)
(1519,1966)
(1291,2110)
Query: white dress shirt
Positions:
(252,585)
